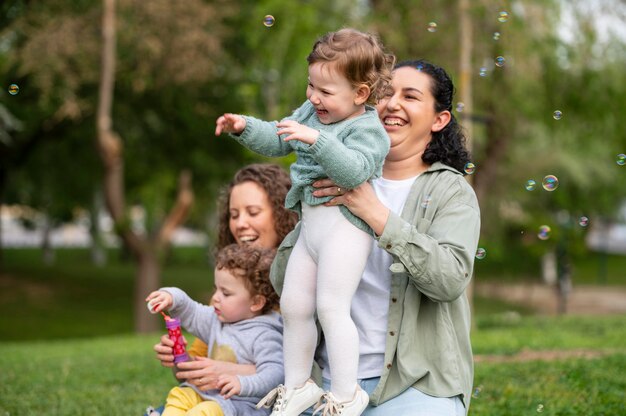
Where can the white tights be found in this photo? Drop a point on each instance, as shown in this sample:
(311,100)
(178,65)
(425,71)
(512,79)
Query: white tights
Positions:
(322,275)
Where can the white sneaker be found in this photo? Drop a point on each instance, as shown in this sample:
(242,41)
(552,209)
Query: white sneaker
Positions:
(330,406)
(292,402)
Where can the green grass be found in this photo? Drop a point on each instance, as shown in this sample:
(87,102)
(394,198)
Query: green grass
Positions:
(66,346)
(95,376)
(566,387)
(101,376)
(97,301)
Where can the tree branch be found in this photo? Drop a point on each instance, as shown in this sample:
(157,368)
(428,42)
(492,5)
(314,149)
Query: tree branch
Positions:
(180,211)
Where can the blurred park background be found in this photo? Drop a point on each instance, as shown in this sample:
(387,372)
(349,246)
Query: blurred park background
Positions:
(95,215)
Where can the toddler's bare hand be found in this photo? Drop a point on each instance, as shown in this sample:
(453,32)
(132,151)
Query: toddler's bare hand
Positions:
(229,123)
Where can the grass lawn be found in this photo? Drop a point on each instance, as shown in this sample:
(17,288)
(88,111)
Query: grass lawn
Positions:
(66,346)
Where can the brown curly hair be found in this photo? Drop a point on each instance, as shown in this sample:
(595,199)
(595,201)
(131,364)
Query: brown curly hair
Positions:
(361,58)
(252,264)
(275,182)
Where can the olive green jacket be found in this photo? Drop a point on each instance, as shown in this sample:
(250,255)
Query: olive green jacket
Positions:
(433,244)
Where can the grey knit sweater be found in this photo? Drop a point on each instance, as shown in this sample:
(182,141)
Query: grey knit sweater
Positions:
(257,341)
(349,152)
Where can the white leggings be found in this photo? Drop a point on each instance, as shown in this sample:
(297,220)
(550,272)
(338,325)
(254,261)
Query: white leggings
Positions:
(322,275)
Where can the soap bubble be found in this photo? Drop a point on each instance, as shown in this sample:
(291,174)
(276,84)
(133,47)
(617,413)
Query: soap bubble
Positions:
(426,201)
(500,61)
(432,27)
(269,20)
(477,391)
(503,16)
(544,232)
(550,183)
(621,159)
(483,72)
(530,185)
(481,253)
(583,221)
(14,89)
(469,168)
(557,114)
(539,408)
(460,107)
(496,35)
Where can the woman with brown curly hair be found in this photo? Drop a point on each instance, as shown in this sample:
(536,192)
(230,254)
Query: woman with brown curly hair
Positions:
(250,211)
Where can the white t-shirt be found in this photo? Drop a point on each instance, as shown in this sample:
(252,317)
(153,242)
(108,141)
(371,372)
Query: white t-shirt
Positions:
(370,305)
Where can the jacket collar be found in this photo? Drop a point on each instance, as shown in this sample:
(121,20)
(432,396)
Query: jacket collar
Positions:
(441,166)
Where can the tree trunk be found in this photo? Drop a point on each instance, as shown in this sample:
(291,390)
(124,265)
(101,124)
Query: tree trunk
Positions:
(98,249)
(146,253)
(147,280)
(47,250)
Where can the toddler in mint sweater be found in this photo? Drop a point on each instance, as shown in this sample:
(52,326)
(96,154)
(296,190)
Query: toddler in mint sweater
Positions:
(336,133)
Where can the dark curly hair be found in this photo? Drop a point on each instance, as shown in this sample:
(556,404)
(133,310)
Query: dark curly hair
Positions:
(448,145)
(360,56)
(275,182)
(252,264)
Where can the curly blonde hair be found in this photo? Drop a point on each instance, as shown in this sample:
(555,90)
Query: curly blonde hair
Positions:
(252,264)
(360,57)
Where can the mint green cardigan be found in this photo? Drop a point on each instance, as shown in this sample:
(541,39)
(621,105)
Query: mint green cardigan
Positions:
(349,152)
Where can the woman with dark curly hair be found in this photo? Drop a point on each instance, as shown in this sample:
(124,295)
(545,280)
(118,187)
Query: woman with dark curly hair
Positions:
(411,307)
(251,211)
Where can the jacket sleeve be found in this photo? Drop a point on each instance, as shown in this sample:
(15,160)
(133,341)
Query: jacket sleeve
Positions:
(268,351)
(360,157)
(437,256)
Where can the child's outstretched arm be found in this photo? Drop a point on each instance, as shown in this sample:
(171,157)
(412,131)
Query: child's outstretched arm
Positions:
(229,123)
(159,301)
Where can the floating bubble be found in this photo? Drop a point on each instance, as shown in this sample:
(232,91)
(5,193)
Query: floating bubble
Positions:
(477,391)
(557,115)
(14,89)
(621,159)
(469,168)
(503,16)
(432,27)
(550,183)
(496,35)
(426,201)
(544,232)
(530,185)
(481,253)
(500,61)
(268,21)
(419,67)
(483,72)
(583,221)
(460,107)
(539,408)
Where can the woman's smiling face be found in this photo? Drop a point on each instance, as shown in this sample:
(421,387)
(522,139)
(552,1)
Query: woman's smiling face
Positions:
(408,112)
(251,216)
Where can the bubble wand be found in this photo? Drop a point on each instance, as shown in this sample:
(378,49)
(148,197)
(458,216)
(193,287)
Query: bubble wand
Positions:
(174,333)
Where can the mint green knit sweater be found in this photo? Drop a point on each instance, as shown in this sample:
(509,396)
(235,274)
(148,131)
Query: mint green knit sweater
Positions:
(349,152)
